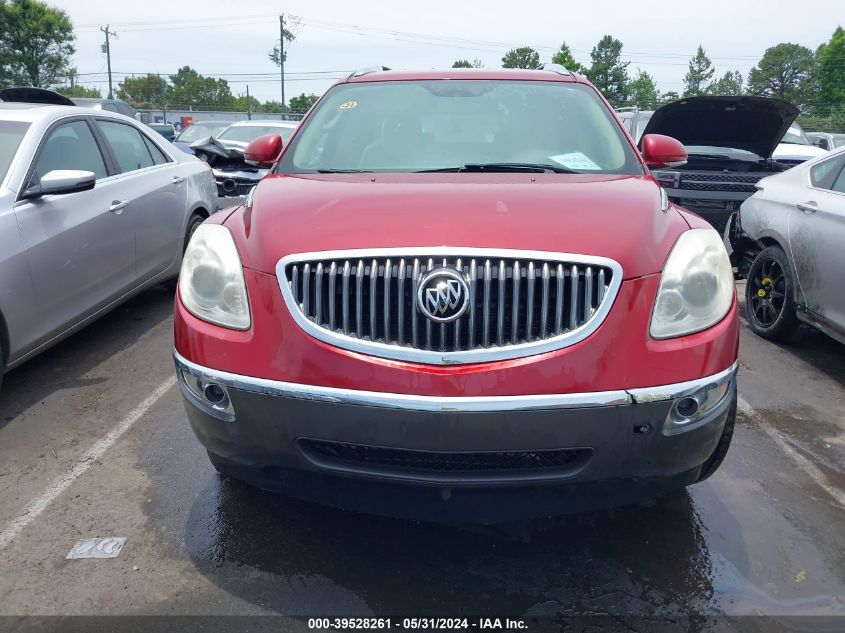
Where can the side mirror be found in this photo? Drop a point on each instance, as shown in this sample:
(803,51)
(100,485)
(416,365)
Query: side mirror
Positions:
(821,143)
(61,181)
(264,150)
(662,151)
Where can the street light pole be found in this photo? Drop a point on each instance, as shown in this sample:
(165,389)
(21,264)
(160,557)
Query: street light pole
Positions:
(282,57)
(108,54)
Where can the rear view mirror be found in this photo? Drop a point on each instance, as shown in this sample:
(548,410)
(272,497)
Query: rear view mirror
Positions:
(662,151)
(61,181)
(264,150)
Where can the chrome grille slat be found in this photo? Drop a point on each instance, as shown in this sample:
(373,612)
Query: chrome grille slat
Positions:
(332,294)
(345,299)
(529,309)
(373,282)
(521,300)
(359,298)
(388,271)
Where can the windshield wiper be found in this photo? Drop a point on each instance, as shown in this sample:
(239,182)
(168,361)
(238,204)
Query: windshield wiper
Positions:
(531,168)
(343,171)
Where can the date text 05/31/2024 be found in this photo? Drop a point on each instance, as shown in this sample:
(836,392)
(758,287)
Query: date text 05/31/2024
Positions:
(454,624)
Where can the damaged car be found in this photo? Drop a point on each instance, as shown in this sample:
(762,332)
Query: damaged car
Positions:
(729,142)
(225,154)
(787,241)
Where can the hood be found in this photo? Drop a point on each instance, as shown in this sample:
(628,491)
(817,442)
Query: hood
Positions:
(755,124)
(611,216)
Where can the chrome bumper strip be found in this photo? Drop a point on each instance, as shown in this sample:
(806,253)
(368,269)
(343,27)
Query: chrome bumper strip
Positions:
(445,404)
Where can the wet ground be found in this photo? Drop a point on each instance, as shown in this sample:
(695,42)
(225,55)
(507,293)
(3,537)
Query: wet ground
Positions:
(765,536)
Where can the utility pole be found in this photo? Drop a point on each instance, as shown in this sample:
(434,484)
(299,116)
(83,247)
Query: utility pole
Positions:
(282,56)
(163,99)
(107,51)
(248,104)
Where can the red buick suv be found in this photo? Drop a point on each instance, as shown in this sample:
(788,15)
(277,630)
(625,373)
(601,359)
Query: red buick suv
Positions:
(455,291)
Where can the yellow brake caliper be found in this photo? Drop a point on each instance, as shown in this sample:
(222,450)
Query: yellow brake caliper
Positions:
(766,283)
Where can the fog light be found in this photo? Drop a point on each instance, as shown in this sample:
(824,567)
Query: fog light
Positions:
(214,393)
(686,407)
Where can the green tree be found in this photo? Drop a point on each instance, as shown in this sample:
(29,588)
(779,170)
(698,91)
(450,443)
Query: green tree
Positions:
(244,103)
(784,71)
(608,72)
(523,57)
(36,42)
(465,63)
(671,95)
(189,89)
(564,58)
(301,103)
(729,84)
(642,91)
(271,106)
(830,75)
(147,92)
(699,74)
(79,91)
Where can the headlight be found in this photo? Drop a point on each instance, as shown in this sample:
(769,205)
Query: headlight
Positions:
(697,286)
(211,282)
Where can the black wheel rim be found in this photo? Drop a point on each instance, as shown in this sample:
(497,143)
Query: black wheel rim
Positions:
(767,293)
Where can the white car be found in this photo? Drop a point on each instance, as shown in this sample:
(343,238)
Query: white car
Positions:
(795,148)
(94,208)
(788,241)
(225,154)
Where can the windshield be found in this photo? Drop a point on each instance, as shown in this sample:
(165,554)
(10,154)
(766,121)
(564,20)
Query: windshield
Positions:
(407,126)
(248,133)
(11,134)
(795,135)
(196,131)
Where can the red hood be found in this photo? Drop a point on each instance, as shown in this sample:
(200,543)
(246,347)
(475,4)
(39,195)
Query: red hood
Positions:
(609,216)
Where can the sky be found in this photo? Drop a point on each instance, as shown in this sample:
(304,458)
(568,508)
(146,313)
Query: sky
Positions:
(232,39)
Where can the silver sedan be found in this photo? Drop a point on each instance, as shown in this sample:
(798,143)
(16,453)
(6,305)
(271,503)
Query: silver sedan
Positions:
(789,241)
(94,208)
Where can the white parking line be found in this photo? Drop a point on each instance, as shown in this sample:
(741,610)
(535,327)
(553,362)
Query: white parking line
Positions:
(60,484)
(809,468)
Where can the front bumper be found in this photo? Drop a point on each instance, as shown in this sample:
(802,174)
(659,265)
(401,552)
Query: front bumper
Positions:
(273,428)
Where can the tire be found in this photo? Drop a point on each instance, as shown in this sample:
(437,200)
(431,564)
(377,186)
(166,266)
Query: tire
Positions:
(715,460)
(769,295)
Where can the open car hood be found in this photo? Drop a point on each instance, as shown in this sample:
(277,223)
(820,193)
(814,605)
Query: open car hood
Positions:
(755,124)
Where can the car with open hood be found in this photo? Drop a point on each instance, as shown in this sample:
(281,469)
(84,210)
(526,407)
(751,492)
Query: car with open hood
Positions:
(729,141)
(460,293)
(225,153)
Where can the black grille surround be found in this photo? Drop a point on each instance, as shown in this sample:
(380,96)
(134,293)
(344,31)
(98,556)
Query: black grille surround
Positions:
(438,465)
(719,182)
(232,186)
(521,302)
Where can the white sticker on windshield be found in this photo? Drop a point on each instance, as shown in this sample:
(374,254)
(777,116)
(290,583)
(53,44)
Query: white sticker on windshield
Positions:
(574,160)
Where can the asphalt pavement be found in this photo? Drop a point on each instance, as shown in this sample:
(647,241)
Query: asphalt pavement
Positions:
(94,442)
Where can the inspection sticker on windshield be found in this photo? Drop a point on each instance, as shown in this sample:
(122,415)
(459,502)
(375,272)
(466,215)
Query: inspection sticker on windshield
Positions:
(574,160)
(348,105)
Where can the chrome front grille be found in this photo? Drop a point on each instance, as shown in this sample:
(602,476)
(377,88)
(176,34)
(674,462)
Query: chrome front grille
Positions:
(520,302)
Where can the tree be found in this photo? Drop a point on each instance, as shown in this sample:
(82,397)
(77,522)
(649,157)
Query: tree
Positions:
(608,72)
(147,92)
(729,84)
(36,42)
(302,103)
(189,89)
(465,63)
(699,75)
(564,58)
(642,91)
(784,71)
(79,91)
(523,57)
(830,74)
(271,106)
(244,103)
(671,95)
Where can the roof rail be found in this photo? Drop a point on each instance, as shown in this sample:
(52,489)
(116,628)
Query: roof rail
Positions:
(556,68)
(366,71)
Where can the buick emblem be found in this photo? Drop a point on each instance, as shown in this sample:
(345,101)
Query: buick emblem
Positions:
(443,295)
